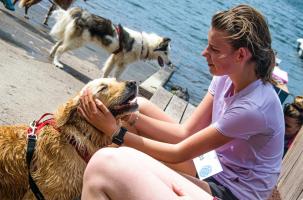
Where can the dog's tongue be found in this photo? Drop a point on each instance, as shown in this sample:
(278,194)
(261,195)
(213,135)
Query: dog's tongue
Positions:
(130,106)
(160,61)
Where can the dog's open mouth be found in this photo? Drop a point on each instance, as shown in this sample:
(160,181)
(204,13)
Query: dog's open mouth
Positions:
(160,61)
(128,105)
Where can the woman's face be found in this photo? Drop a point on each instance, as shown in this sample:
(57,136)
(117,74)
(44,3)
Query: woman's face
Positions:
(219,54)
(291,126)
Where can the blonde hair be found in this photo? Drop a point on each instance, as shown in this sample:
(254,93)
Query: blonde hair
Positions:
(295,109)
(247,27)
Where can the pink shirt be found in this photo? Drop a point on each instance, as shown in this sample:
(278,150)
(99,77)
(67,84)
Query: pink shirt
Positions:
(254,118)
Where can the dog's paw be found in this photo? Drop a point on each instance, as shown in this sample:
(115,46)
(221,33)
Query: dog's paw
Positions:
(58,64)
(45,23)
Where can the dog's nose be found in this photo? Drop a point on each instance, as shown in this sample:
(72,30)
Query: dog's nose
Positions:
(131,84)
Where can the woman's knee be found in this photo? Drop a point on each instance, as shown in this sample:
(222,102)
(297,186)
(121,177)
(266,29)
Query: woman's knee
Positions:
(100,163)
(109,159)
(102,172)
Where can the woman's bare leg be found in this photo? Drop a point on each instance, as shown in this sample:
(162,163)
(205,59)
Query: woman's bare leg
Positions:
(125,173)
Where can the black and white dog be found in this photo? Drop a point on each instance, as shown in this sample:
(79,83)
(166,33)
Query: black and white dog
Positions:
(75,27)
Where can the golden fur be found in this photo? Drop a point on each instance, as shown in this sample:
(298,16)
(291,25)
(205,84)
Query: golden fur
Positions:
(56,167)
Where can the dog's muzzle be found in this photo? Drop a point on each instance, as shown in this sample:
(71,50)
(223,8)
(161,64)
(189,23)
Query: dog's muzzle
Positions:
(127,104)
(161,62)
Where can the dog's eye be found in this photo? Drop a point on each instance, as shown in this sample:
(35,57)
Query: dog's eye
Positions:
(103,88)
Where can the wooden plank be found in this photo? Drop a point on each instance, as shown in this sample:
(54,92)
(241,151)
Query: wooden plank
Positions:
(176,108)
(188,111)
(301,196)
(290,183)
(161,98)
(292,156)
(293,185)
(150,85)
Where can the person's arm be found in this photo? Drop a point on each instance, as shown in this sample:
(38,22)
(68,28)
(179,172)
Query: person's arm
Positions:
(201,117)
(156,129)
(202,141)
(193,146)
(173,132)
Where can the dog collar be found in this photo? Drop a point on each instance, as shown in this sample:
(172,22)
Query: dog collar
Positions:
(82,152)
(142,49)
(119,31)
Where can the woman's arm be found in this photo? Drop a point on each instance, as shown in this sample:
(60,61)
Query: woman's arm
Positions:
(201,117)
(201,142)
(167,131)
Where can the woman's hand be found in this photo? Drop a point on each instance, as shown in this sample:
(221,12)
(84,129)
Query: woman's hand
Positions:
(181,194)
(97,114)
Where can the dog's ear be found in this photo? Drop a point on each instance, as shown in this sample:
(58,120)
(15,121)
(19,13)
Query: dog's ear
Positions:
(66,111)
(163,45)
(166,40)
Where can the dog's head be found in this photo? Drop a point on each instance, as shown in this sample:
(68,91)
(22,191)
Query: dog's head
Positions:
(115,95)
(161,52)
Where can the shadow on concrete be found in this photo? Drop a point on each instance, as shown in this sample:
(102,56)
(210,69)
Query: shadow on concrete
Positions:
(8,38)
(78,75)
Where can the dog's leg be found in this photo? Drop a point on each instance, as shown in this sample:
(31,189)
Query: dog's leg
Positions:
(108,66)
(50,11)
(65,46)
(54,49)
(58,53)
(26,11)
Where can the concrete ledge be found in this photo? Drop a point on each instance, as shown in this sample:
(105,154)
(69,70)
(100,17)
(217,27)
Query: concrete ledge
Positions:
(150,85)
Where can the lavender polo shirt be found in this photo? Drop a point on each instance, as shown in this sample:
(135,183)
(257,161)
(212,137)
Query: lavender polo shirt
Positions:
(251,162)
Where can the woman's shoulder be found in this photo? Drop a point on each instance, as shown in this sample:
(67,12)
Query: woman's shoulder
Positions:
(261,94)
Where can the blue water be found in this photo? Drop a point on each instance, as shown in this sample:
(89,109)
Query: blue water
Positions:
(187,22)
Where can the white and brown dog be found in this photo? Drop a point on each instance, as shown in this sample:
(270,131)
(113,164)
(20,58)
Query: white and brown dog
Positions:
(76,26)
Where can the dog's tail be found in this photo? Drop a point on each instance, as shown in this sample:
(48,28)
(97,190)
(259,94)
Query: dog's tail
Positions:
(62,18)
(22,3)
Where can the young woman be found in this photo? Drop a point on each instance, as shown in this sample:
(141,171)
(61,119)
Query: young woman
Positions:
(240,117)
(293,115)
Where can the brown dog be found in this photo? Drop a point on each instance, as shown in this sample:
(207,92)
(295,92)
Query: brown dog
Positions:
(58,162)
(26,4)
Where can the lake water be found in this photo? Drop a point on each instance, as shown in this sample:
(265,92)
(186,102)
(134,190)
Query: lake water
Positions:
(187,22)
